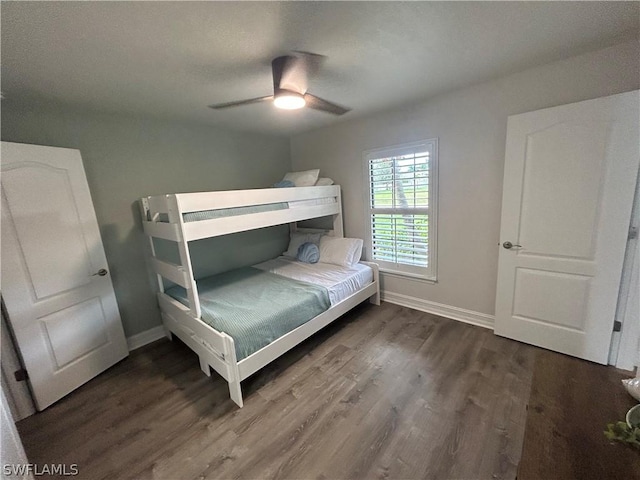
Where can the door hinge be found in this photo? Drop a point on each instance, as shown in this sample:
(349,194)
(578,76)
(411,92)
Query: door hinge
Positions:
(21,375)
(617,326)
(633,233)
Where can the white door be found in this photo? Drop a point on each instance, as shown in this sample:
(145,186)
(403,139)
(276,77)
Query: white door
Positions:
(569,179)
(57,291)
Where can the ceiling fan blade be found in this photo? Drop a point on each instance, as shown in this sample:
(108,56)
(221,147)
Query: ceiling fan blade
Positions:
(312,61)
(277,68)
(219,106)
(293,71)
(320,104)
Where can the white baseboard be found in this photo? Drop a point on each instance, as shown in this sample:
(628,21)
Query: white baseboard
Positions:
(455,313)
(143,338)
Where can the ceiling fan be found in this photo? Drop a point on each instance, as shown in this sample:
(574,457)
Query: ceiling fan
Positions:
(290,80)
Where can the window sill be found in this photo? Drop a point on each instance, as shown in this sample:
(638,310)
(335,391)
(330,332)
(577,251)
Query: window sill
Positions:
(409,276)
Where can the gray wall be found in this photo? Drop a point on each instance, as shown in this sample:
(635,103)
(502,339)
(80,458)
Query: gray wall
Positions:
(128,157)
(471,127)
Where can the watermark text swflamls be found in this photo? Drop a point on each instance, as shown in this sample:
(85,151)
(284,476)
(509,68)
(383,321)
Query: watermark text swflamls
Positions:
(36,469)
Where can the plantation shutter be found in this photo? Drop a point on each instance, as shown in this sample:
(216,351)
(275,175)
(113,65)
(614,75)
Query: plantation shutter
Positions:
(399,207)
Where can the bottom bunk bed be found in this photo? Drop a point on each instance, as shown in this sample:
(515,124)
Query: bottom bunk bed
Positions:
(252,315)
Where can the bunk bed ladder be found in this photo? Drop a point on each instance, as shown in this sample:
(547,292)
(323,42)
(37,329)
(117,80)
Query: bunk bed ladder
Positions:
(144,212)
(175,216)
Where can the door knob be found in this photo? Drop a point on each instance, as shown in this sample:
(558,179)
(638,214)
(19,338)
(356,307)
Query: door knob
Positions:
(102,272)
(509,245)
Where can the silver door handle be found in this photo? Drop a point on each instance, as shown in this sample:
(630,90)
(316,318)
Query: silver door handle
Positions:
(509,245)
(102,272)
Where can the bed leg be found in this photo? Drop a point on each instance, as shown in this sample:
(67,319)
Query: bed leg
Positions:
(204,366)
(236,393)
(168,334)
(375,299)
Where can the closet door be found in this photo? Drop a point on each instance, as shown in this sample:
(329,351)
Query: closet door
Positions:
(570,175)
(55,283)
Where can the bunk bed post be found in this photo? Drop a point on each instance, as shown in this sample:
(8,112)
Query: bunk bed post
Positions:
(235,390)
(338,230)
(375,299)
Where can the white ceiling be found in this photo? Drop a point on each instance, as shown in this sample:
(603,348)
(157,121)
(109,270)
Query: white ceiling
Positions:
(172,59)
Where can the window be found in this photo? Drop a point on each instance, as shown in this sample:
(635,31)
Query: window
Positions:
(401,205)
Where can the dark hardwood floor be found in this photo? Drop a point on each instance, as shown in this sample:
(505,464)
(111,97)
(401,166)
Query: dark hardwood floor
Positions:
(571,403)
(384,392)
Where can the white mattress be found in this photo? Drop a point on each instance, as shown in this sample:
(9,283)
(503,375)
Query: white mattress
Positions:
(340,282)
(312,202)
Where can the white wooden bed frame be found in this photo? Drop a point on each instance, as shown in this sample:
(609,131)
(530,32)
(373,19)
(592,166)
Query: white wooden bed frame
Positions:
(216,349)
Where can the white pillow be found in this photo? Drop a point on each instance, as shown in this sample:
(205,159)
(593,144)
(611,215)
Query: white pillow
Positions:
(323,182)
(308,178)
(298,239)
(340,251)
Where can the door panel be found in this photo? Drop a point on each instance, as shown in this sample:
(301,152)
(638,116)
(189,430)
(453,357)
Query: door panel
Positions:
(86,320)
(569,179)
(66,253)
(566,296)
(561,191)
(64,317)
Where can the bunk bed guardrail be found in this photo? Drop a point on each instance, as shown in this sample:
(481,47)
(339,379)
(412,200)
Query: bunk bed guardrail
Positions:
(162,215)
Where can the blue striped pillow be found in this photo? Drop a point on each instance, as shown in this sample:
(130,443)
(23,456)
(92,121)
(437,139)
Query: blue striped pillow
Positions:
(308,253)
(284,184)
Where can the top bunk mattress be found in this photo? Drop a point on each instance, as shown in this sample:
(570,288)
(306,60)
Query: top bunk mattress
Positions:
(232,212)
(340,282)
(267,207)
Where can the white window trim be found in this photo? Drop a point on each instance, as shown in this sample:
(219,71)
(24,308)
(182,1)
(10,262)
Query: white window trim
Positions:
(431,273)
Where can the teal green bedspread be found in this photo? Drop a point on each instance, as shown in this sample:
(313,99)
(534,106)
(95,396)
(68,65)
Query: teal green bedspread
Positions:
(255,307)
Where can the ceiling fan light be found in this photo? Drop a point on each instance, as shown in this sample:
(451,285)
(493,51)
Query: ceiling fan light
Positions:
(289,101)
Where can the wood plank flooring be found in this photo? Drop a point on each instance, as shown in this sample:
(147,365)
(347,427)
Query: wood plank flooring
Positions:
(571,403)
(384,392)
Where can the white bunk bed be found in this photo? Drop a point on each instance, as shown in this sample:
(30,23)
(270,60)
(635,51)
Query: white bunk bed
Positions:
(186,217)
